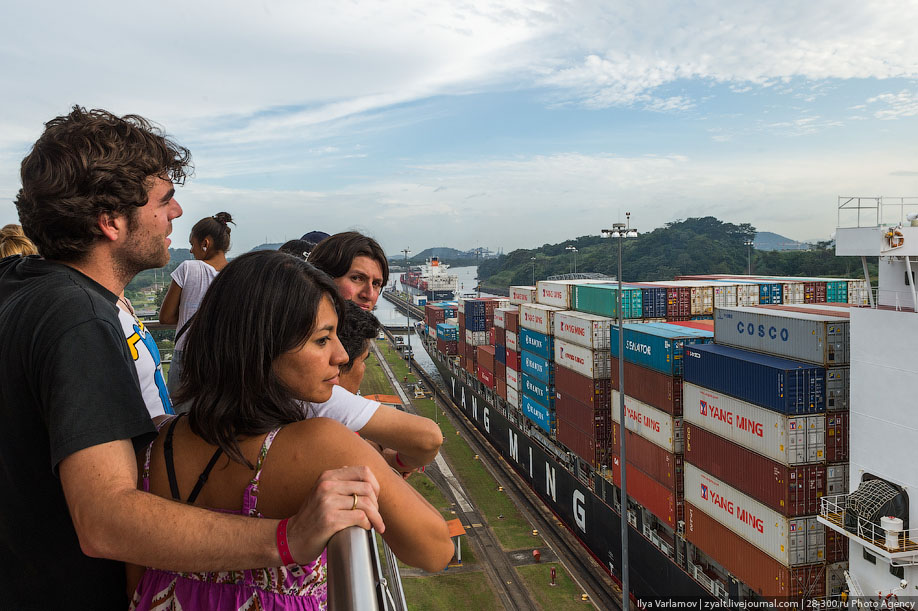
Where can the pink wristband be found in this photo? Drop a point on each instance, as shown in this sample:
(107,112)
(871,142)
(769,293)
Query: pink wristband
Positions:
(282,547)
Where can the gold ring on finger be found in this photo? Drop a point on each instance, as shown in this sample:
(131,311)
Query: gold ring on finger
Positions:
(355,502)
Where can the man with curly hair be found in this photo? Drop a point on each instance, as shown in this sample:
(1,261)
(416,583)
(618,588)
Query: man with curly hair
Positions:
(98,201)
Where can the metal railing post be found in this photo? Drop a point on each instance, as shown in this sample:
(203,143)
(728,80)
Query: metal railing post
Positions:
(351,574)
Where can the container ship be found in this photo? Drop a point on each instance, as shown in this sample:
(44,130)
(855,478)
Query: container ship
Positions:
(430,281)
(739,395)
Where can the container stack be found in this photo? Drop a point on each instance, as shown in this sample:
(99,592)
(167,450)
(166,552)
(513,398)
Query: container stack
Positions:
(757,441)
(448,339)
(537,367)
(476,319)
(510,319)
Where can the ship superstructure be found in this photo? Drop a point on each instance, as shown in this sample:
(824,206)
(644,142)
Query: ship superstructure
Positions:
(431,280)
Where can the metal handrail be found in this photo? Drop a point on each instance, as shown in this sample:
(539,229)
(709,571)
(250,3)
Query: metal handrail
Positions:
(352,575)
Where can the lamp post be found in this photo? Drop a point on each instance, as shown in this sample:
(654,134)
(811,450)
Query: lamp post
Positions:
(573,250)
(622,231)
(533,269)
(748,244)
(408,312)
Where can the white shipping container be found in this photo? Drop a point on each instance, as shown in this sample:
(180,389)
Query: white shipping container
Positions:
(451,321)
(792,293)
(835,579)
(702,300)
(814,338)
(538,317)
(477,338)
(522,294)
(650,423)
(512,342)
(747,294)
(560,293)
(595,364)
(724,295)
(513,397)
(583,329)
(837,479)
(499,320)
(789,440)
(513,379)
(790,541)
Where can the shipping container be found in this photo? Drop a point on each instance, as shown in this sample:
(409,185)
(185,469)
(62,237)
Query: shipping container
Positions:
(763,574)
(836,546)
(449,333)
(580,443)
(536,343)
(651,387)
(782,385)
(838,388)
(538,413)
(657,346)
(823,340)
(602,299)
(583,329)
(701,325)
(835,578)
(537,317)
(653,496)
(500,336)
(837,479)
(649,422)
(500,355)
(513,378)
(770,292)
(791,541)
(585,418)
(787,439)
(559,293)
(663,466)
(837,437)
(587,362)
(522,294)
(448,348)
(653,299)
(500,316)
(512,321)
(538,390)
(477,338)
(592,392)
(485,358)
(724,295)
(485,377)
(512,342)
(500,387)
(513,359)
(513,397)
(500,371)
(537,367)
(791,491)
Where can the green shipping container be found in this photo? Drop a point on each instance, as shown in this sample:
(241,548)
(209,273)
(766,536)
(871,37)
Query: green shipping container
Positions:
(602,299)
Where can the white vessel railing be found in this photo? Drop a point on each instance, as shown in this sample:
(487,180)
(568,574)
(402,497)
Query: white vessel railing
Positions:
(898,547)
(875,211)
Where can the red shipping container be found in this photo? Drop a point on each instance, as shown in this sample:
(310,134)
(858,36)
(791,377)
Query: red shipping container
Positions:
(654,496)
(513,359)
(500,386)
(765,575)
(791,491)
(580,443)
(445,347)
(651,387)
(469,365)
(500,336)
(500,371)
(650,458)
(485,377)
(809,292)
(836,546)
(837,441)
(596,393)
(678,302)
(486,358)
(704,325)
(590,421)
(491,336)
(512,321)
(821,292)
(461,316)
(838,310)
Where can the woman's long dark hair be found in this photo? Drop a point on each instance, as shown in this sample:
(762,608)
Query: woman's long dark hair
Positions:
(260,306)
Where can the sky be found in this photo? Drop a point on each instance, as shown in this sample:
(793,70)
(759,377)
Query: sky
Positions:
(489,124)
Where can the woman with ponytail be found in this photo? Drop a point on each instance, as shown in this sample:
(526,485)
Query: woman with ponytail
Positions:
(210,240)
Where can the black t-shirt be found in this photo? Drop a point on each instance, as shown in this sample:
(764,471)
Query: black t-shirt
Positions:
(67,383)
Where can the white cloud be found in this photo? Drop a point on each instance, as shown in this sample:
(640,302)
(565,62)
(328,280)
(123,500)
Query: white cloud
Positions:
(897,105)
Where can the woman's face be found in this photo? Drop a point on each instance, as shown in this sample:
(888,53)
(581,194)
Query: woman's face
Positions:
(310,370)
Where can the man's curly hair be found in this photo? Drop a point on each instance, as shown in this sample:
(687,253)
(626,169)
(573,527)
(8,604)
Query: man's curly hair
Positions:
(86,163)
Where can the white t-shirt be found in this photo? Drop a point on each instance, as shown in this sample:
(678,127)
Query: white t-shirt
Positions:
(194,277)
(350,410)
(146,359)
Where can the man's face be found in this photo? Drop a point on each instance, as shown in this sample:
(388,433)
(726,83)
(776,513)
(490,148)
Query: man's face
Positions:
(362,282)
(351,379)
(146,244)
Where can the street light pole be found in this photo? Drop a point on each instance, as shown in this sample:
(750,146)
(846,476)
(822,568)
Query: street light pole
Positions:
(622,231)
(408,311)
(533,269)
(749,244)
(573,250)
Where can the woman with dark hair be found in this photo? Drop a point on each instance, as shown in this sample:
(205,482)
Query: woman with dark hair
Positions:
(210,241)
(264,339)
(357,263)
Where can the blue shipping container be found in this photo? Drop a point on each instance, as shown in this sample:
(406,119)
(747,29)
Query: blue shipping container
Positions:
(537,367)
(657,346)
(653,301)
(539,414)
(537,343)
(781,385)
(476,323)
(448,333)
(771,293)
(538,390)
(473,307)
(500,353)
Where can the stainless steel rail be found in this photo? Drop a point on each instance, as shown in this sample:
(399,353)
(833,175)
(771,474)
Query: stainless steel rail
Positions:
(352,576)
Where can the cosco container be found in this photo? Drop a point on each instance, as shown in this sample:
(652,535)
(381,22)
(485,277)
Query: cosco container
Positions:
(789,440)
(791,491)
(587,362)
(649,422)
(762,573)
(651,387)
(602,299)
(538,413)
(536,343)
(538,317)
(522,294)
(782,385)
(790,541)
(585,418)
(537,367)
(538,390)
(583,329)
(656,345)
(663,466)
(592,392)
(663,502)
(823,340)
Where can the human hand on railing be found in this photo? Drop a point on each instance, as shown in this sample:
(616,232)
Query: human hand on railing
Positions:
(398,463)
(340,498)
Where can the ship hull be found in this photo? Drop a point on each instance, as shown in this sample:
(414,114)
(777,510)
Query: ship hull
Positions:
(584,511)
